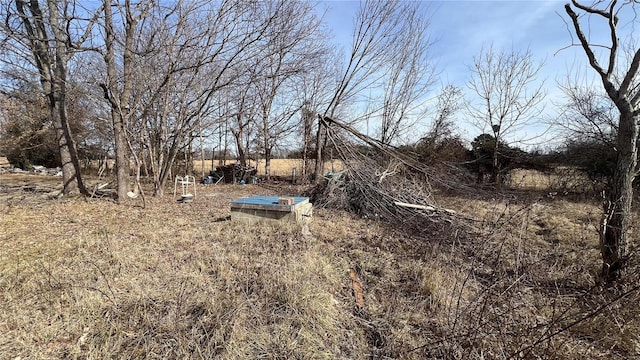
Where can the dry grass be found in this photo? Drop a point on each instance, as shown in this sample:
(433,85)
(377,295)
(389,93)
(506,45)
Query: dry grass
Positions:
(279,167)
(564,179)
(4,162)
(88,279)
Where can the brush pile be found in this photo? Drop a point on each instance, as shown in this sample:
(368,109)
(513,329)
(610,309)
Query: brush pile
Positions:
(378,182)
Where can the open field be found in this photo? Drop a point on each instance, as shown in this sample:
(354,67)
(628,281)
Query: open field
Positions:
(560,179)
(517,278)
(279,167)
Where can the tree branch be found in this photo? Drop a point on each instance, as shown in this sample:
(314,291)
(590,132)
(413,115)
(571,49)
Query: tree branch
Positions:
(614,39)
(589,9)
(631,74)
(587,49)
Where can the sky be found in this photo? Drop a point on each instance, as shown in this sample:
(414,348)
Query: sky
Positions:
(459,29)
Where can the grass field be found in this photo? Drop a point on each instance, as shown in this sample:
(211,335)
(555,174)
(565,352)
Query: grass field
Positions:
(89,279)
(560,179)
(279,167)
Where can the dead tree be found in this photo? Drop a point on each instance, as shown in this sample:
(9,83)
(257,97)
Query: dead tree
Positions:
(619,75)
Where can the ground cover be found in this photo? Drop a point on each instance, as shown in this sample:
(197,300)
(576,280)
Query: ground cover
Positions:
(516,277)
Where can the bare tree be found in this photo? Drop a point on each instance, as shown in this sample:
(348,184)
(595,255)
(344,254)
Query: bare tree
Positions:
(241,117)
(588,114)
(41,34)
(182,56)
(314,94)
(618,71)
(379,28)
(408,80)
(507,97)
(448,104)
(292,47)
(117,90)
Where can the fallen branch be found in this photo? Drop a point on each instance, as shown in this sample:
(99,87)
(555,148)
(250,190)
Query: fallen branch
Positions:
(358,290)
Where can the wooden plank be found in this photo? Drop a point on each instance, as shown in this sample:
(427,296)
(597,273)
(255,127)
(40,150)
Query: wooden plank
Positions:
(358,289)
(265,207)
(415,206)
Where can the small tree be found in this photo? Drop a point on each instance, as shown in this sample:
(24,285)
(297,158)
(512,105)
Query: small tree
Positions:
(441,143)
(507,96)
(588,114)
(291,47)
(486,159)
(589,120)
(594,158)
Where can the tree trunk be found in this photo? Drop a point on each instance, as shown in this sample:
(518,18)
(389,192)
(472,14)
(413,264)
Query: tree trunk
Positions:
(71,175)
(52,66)
(494,163)
(70,183)
(242,154)
(159,174)
(164,174)
(238,134)
(614,242)
(158,188)
(267,163)
(72,180)
(122,156)
(317,173)
(306,139)
(226,143)
(119,106)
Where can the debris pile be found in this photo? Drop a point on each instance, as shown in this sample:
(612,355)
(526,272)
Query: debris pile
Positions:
(234,173)
(379,183)
(35,169)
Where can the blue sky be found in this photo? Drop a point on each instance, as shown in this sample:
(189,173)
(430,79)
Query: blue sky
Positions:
(459,29)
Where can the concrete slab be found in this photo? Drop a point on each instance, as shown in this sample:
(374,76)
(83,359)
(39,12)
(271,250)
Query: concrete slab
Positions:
(270,208)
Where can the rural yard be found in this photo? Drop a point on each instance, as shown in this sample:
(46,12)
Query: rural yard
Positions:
(290,179)
(513,275)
